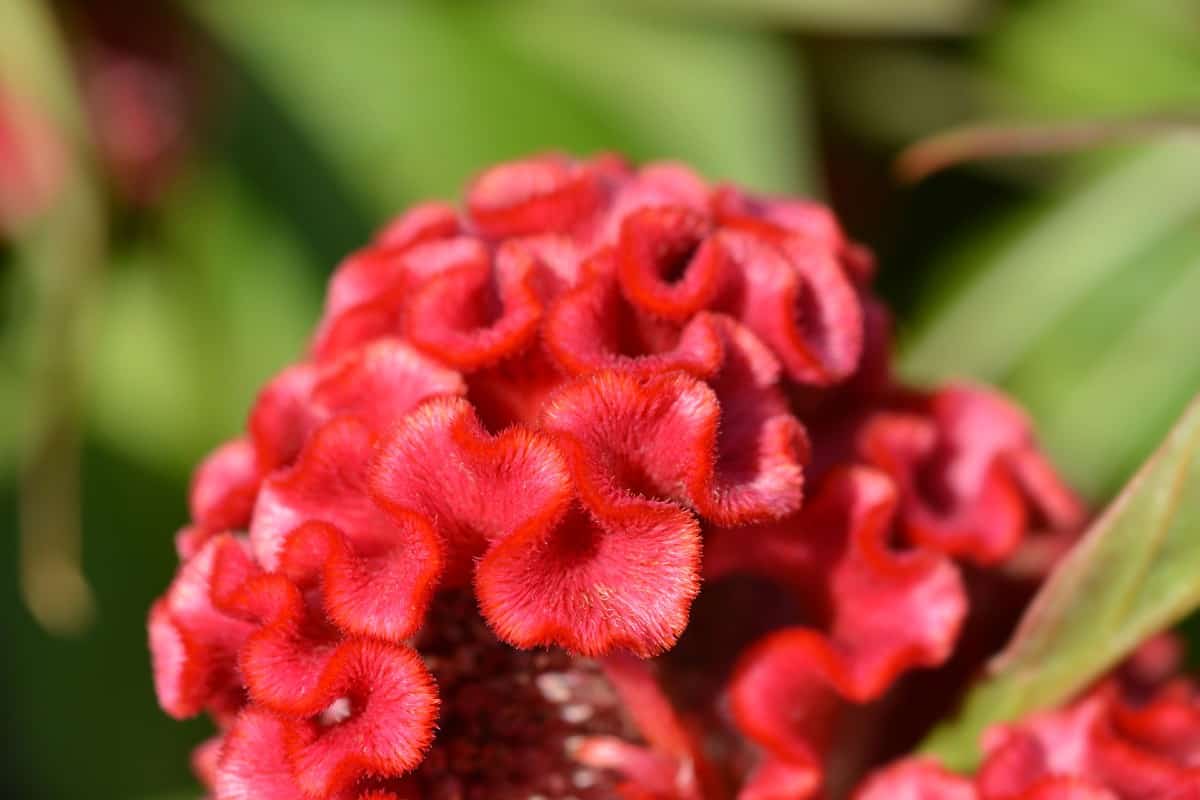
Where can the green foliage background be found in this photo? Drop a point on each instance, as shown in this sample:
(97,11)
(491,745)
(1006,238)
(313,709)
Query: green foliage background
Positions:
(1073,280)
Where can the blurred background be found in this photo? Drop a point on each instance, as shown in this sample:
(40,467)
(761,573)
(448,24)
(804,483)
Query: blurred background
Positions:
(178,179)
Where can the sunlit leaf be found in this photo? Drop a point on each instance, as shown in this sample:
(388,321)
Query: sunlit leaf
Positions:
(1135,572)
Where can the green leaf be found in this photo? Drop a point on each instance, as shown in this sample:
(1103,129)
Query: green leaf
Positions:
(408,100)
(194,320)
(1135,572)
(1085,381)
(1121,57)
(842,16)
(1045,263)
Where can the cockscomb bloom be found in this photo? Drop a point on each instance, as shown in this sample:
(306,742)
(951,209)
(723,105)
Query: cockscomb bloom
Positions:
(1134,736)
(459,550)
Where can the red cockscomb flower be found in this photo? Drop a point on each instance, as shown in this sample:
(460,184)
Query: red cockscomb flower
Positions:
(524,433)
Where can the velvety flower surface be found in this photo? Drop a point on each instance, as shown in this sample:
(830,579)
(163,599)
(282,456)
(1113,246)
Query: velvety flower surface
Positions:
(459,550)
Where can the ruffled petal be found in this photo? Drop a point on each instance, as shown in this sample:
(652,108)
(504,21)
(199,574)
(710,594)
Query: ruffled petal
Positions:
(864,650)
(381,591)
(253,763)
(761,448)
(475,487)
(224,487)
(285,664)
(655,185)
(194,644)
(620,577)
(666,264)
(971,476)
(396,554)
(369,293)
(548,194)
(380,383)
(421,223)
(795,297)
(282,417)
(380,724)
(666,436)
(470,316)
(1144,753)
(593,327)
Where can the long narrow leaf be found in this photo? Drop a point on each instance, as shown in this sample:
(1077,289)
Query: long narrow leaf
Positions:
(1052,262)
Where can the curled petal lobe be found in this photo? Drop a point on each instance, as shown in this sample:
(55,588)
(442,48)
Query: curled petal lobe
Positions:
(666,265)
(327,483)
(761,448)
(799,302)
(362,277)
(194,644)
(281,417)
(377,383)
(369,293)
(380,591)
(375,270)
(379,318)
(985,525)
(287,664)
(660,436)
(593,327)
(550,194)
(594,581)
(380,383)
(224,487)
(863,651)
(474,487)
(382,724)
(473,316)
(972,478)
(655,185)
(421,223)
(253,763)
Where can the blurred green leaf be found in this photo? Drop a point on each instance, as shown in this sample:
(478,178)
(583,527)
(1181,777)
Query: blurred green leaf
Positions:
(1069,58)
(1109,377)
(194,320)
(729,103)
(1135,572)
(844,16)
(408,100)
(1046,263)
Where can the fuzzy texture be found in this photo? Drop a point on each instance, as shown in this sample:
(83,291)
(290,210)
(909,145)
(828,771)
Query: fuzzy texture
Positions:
(539,423)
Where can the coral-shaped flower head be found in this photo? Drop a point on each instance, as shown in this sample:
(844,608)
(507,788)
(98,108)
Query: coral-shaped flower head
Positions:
(523,433)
